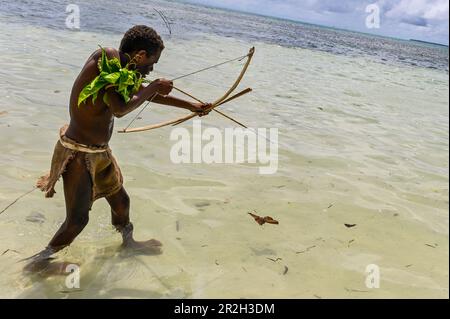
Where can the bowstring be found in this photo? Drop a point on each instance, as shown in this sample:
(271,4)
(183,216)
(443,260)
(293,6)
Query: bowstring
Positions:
(139,113)
(240,58)
(210,67)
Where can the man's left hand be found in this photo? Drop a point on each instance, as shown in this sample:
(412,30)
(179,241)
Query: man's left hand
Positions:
(201,109)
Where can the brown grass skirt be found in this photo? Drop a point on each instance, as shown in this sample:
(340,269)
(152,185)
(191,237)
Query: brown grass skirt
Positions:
(102,166)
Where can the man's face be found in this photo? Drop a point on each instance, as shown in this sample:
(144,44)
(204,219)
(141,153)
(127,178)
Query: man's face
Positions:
(144,63)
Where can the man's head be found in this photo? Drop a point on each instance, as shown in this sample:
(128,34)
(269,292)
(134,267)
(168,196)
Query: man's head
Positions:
(144,46)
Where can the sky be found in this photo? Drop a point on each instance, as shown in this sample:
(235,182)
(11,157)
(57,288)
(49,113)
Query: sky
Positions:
(425,20)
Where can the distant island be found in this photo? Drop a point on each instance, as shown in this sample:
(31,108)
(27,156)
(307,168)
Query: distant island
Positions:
(432,43)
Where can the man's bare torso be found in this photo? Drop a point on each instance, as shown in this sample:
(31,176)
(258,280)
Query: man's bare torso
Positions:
(90,124)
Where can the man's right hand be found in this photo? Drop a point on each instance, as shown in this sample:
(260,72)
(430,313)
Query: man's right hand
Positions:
(163,86)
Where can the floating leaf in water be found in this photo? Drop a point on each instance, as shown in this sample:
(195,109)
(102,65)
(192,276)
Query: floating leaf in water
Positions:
(262,220)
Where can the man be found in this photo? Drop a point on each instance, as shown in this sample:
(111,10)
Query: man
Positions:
(82,156)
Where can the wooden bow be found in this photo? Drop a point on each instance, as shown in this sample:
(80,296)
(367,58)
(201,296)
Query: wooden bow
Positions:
(224,99)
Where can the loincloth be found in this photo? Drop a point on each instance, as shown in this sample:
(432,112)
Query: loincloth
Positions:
(105,173)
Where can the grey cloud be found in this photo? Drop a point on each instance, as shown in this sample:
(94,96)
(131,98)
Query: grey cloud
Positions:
(417,21)
(331,6)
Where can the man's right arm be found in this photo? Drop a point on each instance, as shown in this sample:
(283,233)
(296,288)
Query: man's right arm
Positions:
(118,106)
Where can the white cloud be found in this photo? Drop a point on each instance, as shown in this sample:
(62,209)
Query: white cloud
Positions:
(426,9)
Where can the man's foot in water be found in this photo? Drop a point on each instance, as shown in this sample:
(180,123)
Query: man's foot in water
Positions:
(41,262)
(149,247)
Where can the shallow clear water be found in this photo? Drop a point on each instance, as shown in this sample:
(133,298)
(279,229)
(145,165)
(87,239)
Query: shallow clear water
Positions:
(361,142)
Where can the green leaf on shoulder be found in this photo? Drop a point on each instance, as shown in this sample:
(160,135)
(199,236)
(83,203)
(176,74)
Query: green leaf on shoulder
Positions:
(127,82)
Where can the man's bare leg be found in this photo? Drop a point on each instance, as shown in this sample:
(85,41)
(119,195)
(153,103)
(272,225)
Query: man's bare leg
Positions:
(120,218)
(78,195)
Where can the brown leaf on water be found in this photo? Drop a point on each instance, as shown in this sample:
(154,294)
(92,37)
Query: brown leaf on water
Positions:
(351,241)
(306,250)
(350,225)
(13,250)
(70,291)
(354,290)
(262,220)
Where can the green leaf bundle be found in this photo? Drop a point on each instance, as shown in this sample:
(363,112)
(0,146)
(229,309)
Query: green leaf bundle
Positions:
(112,74)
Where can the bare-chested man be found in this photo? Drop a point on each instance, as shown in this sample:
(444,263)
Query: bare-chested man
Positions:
(82,156)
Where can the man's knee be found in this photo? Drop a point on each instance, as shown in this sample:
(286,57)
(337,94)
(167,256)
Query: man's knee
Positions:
(79,220)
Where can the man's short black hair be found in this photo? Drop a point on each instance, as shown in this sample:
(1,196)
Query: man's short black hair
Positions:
(141,37)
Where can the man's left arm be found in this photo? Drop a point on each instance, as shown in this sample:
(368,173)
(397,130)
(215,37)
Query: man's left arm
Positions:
(199,108)
(177,102)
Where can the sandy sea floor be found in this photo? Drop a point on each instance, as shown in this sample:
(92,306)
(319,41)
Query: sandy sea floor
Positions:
(360,143)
